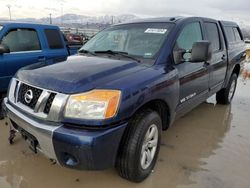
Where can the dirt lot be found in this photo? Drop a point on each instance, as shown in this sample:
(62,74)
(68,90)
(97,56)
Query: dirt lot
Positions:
(209,147)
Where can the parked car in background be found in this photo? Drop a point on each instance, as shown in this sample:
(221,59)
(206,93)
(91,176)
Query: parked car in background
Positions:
(74,38)
(24,44)
(107,106)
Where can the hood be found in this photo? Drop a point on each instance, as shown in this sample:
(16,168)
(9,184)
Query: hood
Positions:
(79,74)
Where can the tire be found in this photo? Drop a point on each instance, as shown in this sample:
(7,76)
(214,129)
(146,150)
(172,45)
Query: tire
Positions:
(225,95)
(135,148)
(1,109)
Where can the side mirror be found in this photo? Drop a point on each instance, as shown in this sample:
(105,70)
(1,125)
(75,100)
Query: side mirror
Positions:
(4,49)
(201,51)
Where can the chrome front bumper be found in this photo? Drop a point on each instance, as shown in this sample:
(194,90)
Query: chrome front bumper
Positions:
(41,131)
(68,146)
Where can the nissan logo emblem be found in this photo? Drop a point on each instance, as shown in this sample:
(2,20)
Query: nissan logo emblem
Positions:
(28,96)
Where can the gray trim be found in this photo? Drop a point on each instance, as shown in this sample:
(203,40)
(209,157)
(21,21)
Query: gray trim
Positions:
(30,51)
(40,105)
(41,131)
(57,107)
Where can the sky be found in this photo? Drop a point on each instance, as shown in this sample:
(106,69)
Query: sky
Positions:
(220,9)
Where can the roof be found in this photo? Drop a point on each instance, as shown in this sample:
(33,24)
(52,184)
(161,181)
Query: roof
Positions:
(26,24)
(148,20)
(229,23)
(175,20)
(159,19)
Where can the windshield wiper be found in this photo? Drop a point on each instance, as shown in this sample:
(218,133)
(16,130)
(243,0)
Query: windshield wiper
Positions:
(87,52)
(124,54)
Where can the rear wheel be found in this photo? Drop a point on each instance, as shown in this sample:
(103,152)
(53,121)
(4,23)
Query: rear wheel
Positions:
(225,95)
(140,146)
(1,106)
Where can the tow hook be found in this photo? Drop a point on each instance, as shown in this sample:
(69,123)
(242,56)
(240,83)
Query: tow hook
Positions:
(12,136)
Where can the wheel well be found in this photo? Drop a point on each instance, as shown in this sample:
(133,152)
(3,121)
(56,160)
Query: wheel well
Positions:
(161,108)
(236,70)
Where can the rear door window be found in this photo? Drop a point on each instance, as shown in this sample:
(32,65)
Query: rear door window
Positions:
(213,35)
(54,39)
(19,40)
(230,34)
(237,34)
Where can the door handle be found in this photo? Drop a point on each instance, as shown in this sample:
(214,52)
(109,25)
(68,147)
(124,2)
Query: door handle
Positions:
(41,58)
(206,64)
(223,57)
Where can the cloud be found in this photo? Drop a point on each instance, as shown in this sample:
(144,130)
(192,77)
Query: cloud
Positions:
(221,9)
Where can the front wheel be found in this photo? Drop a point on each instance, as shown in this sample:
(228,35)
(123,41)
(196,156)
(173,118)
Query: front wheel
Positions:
(225,95)
(140,146)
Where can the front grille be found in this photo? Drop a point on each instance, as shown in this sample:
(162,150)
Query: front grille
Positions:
(49,103)
(23,90)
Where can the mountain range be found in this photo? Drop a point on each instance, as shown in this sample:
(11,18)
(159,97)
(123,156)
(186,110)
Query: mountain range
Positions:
(73,19)
(99,22)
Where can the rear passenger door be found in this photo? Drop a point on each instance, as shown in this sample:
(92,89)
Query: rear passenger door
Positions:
(56,49)
(218,62)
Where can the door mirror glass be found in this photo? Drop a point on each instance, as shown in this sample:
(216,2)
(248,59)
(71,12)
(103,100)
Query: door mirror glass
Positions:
(4,49)
(201,51)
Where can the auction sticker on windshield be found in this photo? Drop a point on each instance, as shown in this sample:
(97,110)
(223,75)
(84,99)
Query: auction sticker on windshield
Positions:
(156,31)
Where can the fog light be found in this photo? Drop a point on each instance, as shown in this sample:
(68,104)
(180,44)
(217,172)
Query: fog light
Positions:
(70,160)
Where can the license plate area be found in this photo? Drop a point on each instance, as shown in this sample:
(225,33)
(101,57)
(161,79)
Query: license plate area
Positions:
(33,143)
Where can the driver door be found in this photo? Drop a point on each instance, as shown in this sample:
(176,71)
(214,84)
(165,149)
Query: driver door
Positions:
(25,49)
(193,77)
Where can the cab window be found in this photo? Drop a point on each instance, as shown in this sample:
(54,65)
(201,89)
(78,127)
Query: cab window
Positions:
(19,40)
(213,35)
(190,34)
(237,34)
(54,39)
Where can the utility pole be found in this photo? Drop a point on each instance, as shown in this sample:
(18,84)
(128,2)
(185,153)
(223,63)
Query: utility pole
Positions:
(50,18)
(61,14)
(9,6)
(112,20)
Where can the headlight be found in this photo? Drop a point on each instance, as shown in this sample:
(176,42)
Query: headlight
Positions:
(96,104)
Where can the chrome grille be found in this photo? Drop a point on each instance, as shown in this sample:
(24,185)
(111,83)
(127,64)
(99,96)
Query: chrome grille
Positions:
(36,94)
(49,103)
(41,100)
(44,104)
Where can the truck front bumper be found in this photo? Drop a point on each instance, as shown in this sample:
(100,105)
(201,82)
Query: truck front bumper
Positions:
(75,148)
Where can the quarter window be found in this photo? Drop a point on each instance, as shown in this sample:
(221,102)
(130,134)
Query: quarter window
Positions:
(213,36)
(19,40)
(54,39)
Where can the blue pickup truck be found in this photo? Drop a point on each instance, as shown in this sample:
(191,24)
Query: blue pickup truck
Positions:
(23,44)
(107,106)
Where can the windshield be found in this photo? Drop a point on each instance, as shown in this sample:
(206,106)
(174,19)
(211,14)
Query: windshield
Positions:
(142,40)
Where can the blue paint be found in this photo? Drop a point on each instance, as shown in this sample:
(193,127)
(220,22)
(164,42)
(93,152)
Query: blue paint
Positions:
(93,144)
(11,62)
